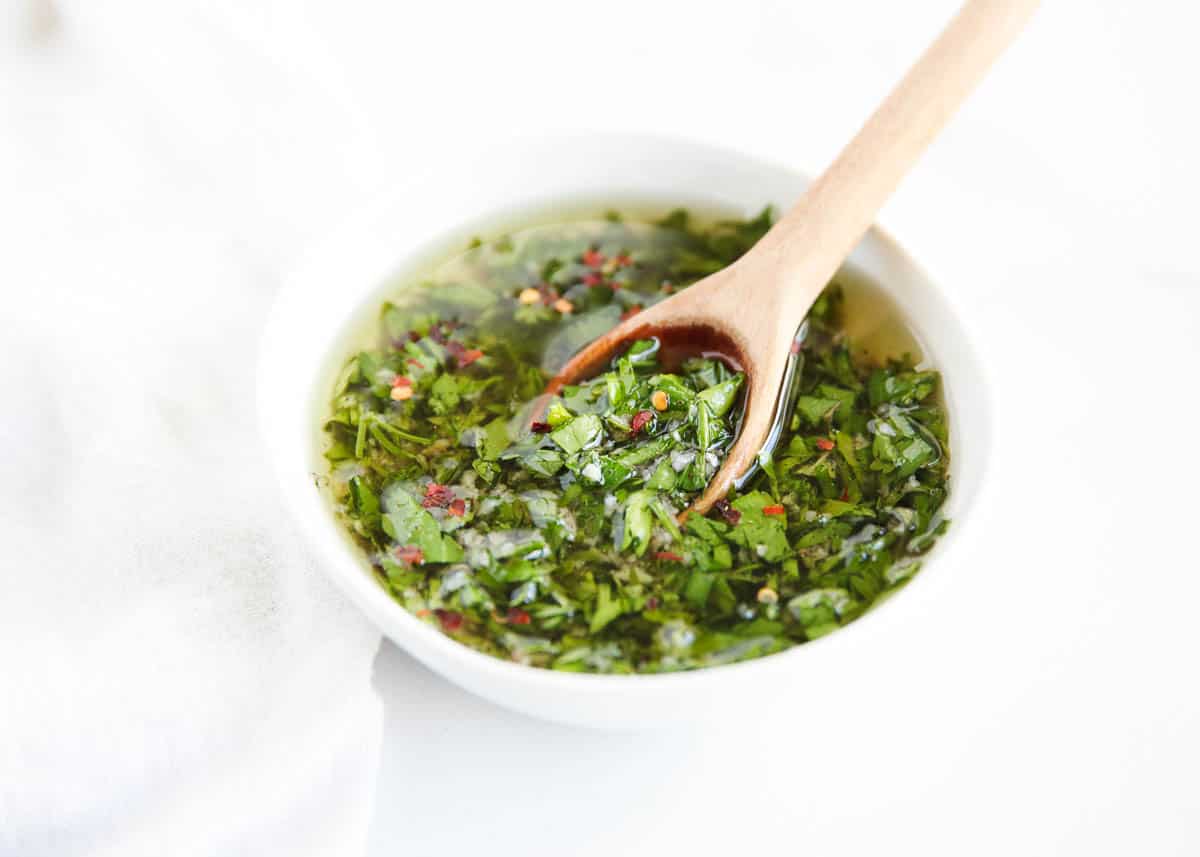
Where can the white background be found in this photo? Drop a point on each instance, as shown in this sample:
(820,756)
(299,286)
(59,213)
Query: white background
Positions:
(1050,706)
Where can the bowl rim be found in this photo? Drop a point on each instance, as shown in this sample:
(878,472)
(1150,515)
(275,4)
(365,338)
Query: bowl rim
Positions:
(337,558)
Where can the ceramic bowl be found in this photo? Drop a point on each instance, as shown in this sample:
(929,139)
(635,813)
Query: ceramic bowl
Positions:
(339,286)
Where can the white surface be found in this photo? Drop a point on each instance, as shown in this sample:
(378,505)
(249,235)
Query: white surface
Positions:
(1050,709)
(305,343)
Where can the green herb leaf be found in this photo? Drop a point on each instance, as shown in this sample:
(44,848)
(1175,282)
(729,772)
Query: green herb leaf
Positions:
(815,410)
(765,536)
(639,518)
(720,397)
(607,608)
(409,524)
(582,432)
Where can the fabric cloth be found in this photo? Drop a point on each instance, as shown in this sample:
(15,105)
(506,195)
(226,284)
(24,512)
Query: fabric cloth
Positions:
(177,676)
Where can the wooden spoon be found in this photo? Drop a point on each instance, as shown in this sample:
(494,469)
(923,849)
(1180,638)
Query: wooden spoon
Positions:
(752,309)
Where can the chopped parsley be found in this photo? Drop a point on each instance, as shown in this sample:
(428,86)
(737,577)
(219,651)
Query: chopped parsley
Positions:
(545,530)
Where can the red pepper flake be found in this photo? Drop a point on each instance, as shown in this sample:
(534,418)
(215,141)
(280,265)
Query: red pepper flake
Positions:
(437,496)
(457,508)
(824,444)
(631,312)
(468,357)
(462,355)
(639,421)
(410,554)
(666,287)
(593,258)
(726,511)
(451,621)
(517,616)
(624,260)
(652,603)
(401,381)
(772,510)
(668,555)
(845,494)
(413,336)
(592,279)
(539,427)
(412,361)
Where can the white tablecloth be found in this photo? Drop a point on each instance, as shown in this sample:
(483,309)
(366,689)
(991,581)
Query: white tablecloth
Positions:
(177,676)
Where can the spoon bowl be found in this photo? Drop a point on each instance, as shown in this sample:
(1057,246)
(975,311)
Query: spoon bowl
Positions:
(706,319)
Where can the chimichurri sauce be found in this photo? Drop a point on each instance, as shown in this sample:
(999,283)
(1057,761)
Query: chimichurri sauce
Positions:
(544,531)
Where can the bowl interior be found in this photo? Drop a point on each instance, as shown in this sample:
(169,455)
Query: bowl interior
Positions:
(331,295)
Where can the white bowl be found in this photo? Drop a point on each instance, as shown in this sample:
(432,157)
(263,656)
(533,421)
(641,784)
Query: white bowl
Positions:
(340,285)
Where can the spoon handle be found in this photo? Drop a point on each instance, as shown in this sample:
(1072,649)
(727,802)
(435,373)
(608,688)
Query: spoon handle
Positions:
(809,243)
